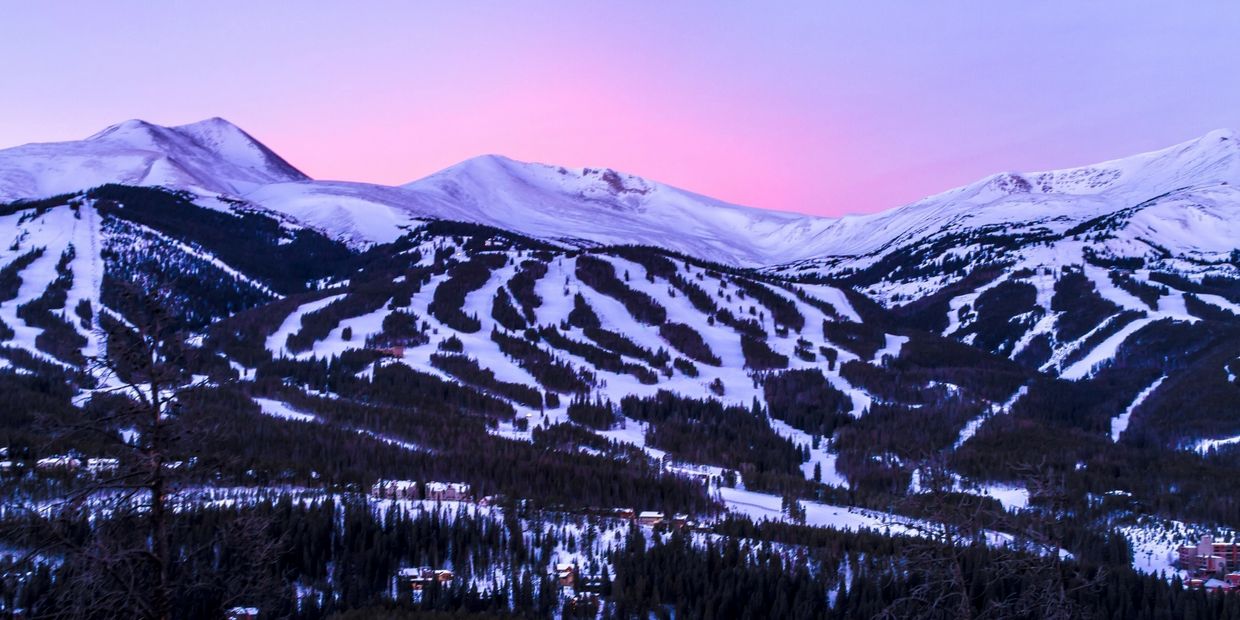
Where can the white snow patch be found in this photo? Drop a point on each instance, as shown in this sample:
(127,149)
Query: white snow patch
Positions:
(1119,423)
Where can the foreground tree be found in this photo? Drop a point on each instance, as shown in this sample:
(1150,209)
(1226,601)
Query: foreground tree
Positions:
(113,528)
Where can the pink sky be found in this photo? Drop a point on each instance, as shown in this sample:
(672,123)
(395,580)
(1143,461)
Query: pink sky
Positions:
(813,107)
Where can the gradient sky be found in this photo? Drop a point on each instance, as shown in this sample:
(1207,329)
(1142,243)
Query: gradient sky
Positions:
(814,107)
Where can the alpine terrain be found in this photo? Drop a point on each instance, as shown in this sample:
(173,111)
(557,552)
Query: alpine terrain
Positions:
(523,389)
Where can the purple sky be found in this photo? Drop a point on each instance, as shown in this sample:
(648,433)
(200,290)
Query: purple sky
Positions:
(815,107)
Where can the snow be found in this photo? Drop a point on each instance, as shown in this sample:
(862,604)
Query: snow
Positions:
(1155,542)
(833,296)
(1206,445)
(768,507)
(1221,302)
(972,426)
(1012,498)
(590,206)
(292,324)
(1119,423)
(208,157)
(891,348)
(1103,352)
(54,231)
(282,410)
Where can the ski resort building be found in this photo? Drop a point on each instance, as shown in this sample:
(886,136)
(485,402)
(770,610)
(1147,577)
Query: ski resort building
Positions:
(395,489)
(417,579)
(448,492)
(434,491)
(650,518)
(566,575)
(1208,556)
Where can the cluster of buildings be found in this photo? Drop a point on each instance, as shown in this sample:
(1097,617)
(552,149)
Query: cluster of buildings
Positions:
(1212,565)
(433,491)
(416,580)
(63,463)
(651,518)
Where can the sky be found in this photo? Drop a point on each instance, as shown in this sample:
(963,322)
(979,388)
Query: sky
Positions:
(815,107)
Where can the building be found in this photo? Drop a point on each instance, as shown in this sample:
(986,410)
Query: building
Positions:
(649,517)
(625,513)
(581,605)
(448,492)
(102,466)
(591,583)
(396,352)
(395,489)
(1208,556)
(422,576)
(65,463)
(566,575)
(417,579)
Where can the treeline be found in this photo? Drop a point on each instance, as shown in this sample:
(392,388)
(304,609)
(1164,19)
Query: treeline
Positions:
(522,286)
(59,337)
(807,401)
(1080,306)
(286,260)
(467,370)
(552,373)
(706,431)
(600,275)
(598,357)
(194,290)
(448,301)
(689,342)
(783,310)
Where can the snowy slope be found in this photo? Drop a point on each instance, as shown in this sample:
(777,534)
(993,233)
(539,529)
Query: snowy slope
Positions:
(211,156)
(1182,198)
(601,206)
(1185,193)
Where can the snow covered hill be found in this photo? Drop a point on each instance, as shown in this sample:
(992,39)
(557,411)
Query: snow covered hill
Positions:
(1065,272)
(1177,201)
(208,157)
(1037,347)
(1177,204)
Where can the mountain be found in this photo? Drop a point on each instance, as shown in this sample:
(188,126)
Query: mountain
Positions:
(572,207)
(599,206)
(1145,237)
(533,330)
(1176,203)
(208,157)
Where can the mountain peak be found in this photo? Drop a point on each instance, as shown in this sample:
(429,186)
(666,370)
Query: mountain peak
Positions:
(127,126)
(210,156)
(1220,135)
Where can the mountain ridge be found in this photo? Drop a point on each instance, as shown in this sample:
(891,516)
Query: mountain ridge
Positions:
(600,206)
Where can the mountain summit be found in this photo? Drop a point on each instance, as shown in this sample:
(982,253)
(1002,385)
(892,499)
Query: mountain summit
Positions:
(210,156)
(600,206)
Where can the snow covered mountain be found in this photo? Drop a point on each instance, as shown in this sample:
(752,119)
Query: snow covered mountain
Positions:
(1174,204)
(207,157)
(1144,233)
(1086,319)
(574,207)
(1177,199)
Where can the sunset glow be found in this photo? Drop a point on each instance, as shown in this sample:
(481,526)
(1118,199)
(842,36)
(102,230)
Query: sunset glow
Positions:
(818,109)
